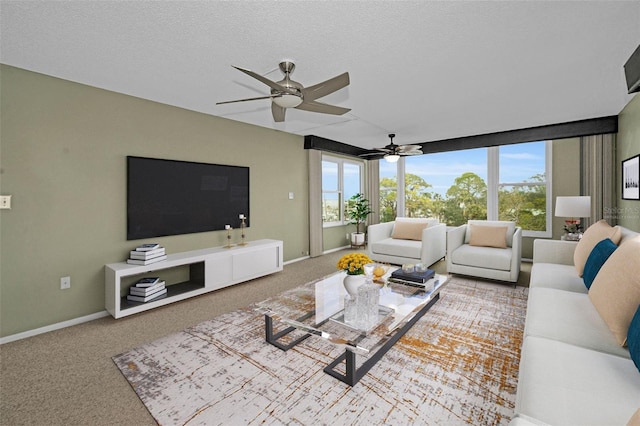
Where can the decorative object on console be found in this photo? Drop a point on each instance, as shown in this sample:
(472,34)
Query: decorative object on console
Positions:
(228,228)
(242,226)
(146,254)
(358,209)
(631,178)
(574,207)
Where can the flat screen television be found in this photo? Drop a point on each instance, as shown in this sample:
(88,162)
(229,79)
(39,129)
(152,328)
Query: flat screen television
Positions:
(169,197)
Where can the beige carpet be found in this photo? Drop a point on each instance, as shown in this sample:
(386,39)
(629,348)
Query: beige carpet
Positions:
(457,365)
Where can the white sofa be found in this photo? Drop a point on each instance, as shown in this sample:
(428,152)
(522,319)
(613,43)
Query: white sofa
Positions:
(426,246)
(481,261)
(572,369)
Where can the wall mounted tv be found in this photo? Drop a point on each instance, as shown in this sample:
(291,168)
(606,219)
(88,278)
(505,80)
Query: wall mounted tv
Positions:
(168,197)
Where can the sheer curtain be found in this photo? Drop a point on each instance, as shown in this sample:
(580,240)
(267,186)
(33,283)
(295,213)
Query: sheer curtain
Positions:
(598,176)
(372,188)
(315,203)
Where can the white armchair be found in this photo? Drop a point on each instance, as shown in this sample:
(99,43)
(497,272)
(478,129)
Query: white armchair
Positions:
(477,250)
(407,240)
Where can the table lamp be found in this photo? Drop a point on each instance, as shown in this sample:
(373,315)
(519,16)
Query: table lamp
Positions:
(574,208)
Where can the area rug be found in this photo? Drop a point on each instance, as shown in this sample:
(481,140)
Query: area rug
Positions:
(457,365)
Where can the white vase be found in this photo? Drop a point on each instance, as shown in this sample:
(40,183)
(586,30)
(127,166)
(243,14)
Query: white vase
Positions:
(352,282)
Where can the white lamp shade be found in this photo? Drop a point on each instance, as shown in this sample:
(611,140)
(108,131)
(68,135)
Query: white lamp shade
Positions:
(392,158)
(573,206)
(288,101)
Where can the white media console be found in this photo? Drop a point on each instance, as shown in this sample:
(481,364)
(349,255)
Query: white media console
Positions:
(199,271)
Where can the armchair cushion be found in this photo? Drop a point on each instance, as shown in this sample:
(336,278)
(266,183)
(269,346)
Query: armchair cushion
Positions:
(398,247)
(511,229)
(488,236)
(482,257)
(405,229)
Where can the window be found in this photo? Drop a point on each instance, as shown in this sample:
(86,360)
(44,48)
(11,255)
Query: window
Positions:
(341,179)
(520,191)
(509,182)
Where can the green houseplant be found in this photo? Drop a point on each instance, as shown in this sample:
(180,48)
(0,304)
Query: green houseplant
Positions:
(358,208)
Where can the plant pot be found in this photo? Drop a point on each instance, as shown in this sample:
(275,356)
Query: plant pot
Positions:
(357,238)
(352,282)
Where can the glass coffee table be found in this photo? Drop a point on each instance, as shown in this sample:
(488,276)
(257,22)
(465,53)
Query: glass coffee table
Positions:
(317,309)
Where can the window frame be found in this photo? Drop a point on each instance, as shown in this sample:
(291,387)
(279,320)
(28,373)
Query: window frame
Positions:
(494,185)
(341,162)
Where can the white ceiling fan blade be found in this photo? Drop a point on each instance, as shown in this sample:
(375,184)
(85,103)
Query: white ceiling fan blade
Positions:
(245,100)
(327,87)
(272,84)
(278,112)
(315,106)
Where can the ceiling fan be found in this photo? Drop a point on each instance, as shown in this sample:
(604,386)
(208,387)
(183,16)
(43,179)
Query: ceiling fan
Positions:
(287,93)
(393,152)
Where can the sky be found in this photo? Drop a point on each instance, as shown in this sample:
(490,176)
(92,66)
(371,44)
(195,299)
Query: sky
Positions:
(518,163)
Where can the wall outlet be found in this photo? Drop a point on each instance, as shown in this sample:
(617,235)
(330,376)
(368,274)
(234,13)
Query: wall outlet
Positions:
(347,236)
(65,283)
(5,201)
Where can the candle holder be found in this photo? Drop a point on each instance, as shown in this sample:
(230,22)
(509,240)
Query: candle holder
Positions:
(242,226)
(228,228)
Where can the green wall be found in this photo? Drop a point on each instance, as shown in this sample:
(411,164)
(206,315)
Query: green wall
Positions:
(63,148)
(628,211)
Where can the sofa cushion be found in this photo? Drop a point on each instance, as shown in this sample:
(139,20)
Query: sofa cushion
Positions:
(395,247)
(488,236)
(409,229)
(563,384)
(592,236)
(571,318)
(511,229)
(596,259)
(616,290)
(482,257)
(553,275)
(633,338)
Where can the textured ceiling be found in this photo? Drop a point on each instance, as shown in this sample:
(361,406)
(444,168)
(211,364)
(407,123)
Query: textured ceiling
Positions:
(423,70)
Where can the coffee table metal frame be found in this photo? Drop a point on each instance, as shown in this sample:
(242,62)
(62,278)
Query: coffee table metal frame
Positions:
(352,374)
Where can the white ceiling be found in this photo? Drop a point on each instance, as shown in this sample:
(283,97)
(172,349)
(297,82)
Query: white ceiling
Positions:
(423,70)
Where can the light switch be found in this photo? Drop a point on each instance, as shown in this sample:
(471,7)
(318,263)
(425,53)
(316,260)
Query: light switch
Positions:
(291,195)
(5,201)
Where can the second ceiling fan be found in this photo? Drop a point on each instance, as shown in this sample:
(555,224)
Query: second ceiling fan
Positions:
(393,152)
(288,93)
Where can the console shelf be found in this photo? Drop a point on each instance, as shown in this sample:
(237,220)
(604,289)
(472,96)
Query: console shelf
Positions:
(207,269)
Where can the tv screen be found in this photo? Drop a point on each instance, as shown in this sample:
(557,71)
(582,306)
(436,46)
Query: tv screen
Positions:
(168,197)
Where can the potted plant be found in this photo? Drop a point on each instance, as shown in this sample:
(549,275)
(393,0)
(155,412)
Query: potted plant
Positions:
(358,208)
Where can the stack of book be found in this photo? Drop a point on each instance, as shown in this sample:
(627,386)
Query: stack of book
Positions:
(425,279)
(146,254)
(147,289)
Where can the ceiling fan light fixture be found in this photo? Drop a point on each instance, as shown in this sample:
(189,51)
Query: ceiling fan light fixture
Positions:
(392,158)
(287,101)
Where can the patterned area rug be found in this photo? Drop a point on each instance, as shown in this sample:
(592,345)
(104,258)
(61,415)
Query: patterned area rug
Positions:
(457,365)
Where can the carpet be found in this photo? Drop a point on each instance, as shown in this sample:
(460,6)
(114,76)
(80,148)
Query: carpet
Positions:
(457,365)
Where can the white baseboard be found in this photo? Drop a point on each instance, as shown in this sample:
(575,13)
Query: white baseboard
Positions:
(53,327)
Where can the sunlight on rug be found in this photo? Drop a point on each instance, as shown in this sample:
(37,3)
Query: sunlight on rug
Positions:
(457,365)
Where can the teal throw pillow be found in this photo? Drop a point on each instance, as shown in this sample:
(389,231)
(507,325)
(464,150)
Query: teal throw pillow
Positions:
(596,259)
(633,338)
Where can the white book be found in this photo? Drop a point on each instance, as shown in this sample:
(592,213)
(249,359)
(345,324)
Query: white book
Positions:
(147,261)
(147,282)
(147,247)
(154,296)
(147,291)
(146,254)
